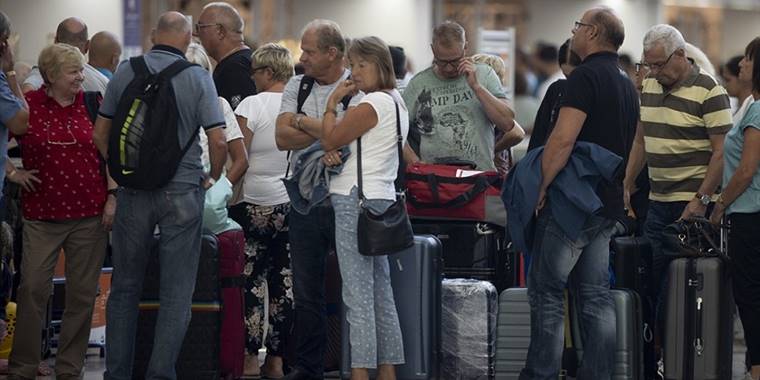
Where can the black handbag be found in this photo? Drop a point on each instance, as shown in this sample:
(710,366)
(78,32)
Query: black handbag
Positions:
(690,238)
(391,231)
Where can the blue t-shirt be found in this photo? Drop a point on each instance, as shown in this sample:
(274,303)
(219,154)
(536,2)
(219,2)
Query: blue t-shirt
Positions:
(749,200)
(9,106)
(197,104)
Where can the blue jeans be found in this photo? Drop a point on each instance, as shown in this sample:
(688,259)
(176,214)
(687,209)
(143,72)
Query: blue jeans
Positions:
(177,210)
(583,265)
(311,237)
(660,215)
(374,330)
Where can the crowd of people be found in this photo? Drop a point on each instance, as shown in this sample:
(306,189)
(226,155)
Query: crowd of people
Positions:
(332,133)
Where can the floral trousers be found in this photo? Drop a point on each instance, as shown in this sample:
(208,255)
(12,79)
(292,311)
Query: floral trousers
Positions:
(267,264)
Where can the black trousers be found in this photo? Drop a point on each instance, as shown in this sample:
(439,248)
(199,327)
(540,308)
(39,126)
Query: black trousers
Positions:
(744,250)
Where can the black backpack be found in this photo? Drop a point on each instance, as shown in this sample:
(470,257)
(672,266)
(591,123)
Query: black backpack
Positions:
(143,147)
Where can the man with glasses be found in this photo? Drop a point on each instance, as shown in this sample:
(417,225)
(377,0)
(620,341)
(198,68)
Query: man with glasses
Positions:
(685,115)
(600,109)
(455,104)
(220,31)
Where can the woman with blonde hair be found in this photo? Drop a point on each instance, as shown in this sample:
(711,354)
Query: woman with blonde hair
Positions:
(263,213)
(71,207)
(378,120)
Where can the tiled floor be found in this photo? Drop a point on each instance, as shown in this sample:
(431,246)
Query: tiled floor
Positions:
(95,365)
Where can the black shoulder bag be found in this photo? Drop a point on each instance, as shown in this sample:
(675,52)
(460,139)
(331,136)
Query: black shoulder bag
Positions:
(391,231)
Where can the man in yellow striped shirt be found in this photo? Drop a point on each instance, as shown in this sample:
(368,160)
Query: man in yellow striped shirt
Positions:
(685,114)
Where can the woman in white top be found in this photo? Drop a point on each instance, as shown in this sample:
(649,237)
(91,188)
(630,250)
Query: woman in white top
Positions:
(263,211)
(375,334)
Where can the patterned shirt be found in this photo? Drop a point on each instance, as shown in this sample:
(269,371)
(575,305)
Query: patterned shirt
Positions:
(677,125)
(59,145)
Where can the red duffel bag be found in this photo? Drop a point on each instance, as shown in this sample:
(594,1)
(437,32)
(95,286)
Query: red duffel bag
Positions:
(454,192)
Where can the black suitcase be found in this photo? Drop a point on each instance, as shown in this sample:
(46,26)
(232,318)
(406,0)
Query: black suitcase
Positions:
(199,356)
(699,320)
(512,333)
(632,264)
(473,250)
(629,363)
(416,279)
(468,326)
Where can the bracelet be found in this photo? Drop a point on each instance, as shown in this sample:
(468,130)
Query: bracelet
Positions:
(298,119)
(11,73)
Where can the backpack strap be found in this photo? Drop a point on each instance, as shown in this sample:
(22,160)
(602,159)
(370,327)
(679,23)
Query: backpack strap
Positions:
(174,68)
(92,103)
(304,89)
(139,66)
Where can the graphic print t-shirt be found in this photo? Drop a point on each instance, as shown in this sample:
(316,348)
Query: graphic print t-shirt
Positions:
(449,118)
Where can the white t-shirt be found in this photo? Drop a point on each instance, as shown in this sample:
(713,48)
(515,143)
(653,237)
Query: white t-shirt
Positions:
(379,150)
(267,164)
(231,132)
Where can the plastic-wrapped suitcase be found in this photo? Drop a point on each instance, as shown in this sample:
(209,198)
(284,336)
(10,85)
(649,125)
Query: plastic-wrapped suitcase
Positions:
(199,356)
(629,363)
(512,333)
(416,279)
(468,329)
(473,250)
(699,320)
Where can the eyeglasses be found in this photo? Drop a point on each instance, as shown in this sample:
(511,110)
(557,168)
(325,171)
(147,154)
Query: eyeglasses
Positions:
(199,26)
(579,25)
(70,140)
(657,66)
(443,63)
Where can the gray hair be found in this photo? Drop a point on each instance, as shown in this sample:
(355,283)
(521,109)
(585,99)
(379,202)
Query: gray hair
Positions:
(226,15)
(667,36)
(328,35)
(449,34)
(196,54)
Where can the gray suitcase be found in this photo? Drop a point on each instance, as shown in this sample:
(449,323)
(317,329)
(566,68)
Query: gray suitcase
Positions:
(468,325)
(512,333)
(699,320)
(629,350)
(416,276)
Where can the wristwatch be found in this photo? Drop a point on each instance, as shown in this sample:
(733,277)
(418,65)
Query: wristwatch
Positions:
(298,118)
(704,198)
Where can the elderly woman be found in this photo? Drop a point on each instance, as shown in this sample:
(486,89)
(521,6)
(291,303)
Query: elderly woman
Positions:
(740,201)
(71,208)
(263,213)
(374,330)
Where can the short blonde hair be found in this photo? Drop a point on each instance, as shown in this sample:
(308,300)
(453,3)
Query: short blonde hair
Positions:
(54,58)
(496,63)
(197,54)
(277,58)
(375,50)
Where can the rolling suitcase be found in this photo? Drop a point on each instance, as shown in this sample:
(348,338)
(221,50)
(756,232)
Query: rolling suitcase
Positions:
(699,320)
(629,363)
(632,264)
(473,250)
(199,355)
(468,326)
(416,279)
(512,333)
(232,281)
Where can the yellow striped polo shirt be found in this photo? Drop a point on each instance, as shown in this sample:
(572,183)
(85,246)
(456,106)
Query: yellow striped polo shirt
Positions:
(677,127)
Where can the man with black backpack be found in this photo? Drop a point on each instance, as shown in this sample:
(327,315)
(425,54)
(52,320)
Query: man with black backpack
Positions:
(156,105)
(299,125)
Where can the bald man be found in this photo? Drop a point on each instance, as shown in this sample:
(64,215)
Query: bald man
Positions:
(220,30)
(176,208)
(72,31)
(105,51)
(599,110)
